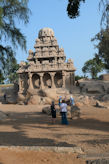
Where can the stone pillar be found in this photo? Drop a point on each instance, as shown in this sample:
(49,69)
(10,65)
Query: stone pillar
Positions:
(52,80)
(20,85)
(73,78)
(63,79)
(55,59)
(41,81)
(30,80)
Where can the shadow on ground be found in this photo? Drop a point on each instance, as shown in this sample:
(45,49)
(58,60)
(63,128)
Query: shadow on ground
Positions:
(39,120)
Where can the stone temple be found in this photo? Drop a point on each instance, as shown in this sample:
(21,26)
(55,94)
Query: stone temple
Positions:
(47,67)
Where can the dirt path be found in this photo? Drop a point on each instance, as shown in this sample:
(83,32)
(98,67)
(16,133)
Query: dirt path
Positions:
(32,157)
(27,126)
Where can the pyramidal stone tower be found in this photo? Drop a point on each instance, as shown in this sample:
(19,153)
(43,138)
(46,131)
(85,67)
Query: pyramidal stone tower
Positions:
(47,67)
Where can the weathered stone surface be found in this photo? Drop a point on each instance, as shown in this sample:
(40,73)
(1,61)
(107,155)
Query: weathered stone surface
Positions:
(94,86)
(35,100)
(42,93)
(46,68)
(46,110)
(94,89)
(82,100)
(11,100)
(21,97)
(99,104)
(47,100)
(105,97)
(52,94)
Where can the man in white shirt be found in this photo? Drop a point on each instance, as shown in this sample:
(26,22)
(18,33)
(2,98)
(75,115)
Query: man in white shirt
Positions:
(63,110)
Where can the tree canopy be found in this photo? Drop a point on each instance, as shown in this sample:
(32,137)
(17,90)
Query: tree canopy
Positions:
(11,13)
(73,9)
(93,67)
(102,46)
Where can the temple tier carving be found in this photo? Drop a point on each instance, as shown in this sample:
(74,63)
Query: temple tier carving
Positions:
(47,66)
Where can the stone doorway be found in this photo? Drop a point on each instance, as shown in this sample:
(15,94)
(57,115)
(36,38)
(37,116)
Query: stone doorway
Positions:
(47,80)
(36,81)
(58,80)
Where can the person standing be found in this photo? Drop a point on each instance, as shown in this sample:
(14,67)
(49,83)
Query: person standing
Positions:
(60,101)
(53,112)
(5,97)
(63,110)
(72,103)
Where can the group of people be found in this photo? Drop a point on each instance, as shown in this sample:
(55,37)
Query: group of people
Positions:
(63,110)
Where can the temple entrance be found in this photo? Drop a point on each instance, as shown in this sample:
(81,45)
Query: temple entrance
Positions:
(36,81)
(58,80)
(47,80)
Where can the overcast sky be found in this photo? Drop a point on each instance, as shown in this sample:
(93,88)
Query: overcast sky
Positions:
(73,35)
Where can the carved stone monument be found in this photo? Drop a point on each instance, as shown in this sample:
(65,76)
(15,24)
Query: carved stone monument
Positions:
(46,67)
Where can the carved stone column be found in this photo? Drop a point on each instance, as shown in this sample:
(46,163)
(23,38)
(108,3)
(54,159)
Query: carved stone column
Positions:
(30,80)
(63,79)
(52,80)
(73,78)
(41,81)
(20,85)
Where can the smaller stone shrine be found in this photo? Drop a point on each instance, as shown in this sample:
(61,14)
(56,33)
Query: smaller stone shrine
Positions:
(47,67)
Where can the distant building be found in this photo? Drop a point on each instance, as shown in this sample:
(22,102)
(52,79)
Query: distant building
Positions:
(104,77)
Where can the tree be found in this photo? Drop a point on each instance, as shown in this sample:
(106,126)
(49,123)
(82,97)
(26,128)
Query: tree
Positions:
(73,9)
(10,72)
(77,77)
(93,66)
(11,11)
(103,46)
(1,78)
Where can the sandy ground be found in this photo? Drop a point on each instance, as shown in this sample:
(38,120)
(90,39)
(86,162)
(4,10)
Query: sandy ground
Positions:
(32,157)
(27,126)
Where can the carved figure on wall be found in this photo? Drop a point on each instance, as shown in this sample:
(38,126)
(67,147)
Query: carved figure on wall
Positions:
(45,53)
(53,49)
(37,41)
(45,62)
(46,39)
(45,49)
(60,60)
(38,49)
(54,41)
